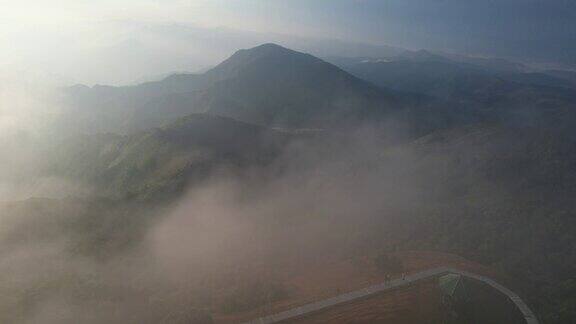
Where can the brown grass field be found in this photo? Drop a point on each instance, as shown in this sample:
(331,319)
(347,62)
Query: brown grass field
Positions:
(327,277)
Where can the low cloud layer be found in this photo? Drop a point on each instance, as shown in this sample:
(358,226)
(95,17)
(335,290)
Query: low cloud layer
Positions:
(71,260)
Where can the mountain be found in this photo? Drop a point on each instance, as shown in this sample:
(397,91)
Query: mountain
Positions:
(500,191)
(124,109)
(488,63)
(517,98)
(165,160)
(267,85)
(272,85)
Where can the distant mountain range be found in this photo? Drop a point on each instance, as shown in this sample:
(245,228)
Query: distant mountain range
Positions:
(267,85)
(276,87)
(494,92)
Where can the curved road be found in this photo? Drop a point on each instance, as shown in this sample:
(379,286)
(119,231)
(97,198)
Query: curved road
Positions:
(362,293)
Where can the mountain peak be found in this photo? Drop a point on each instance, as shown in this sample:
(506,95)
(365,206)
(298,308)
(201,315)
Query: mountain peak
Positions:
(269,47)
(265,50)
(273,54)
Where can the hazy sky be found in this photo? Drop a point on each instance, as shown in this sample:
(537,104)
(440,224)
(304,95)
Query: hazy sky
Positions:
(114,40)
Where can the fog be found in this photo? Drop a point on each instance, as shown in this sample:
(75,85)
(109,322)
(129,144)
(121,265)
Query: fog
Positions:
(67,255)
(69,261)
(27,109)
(95,227)
(120,42)
(70,254)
